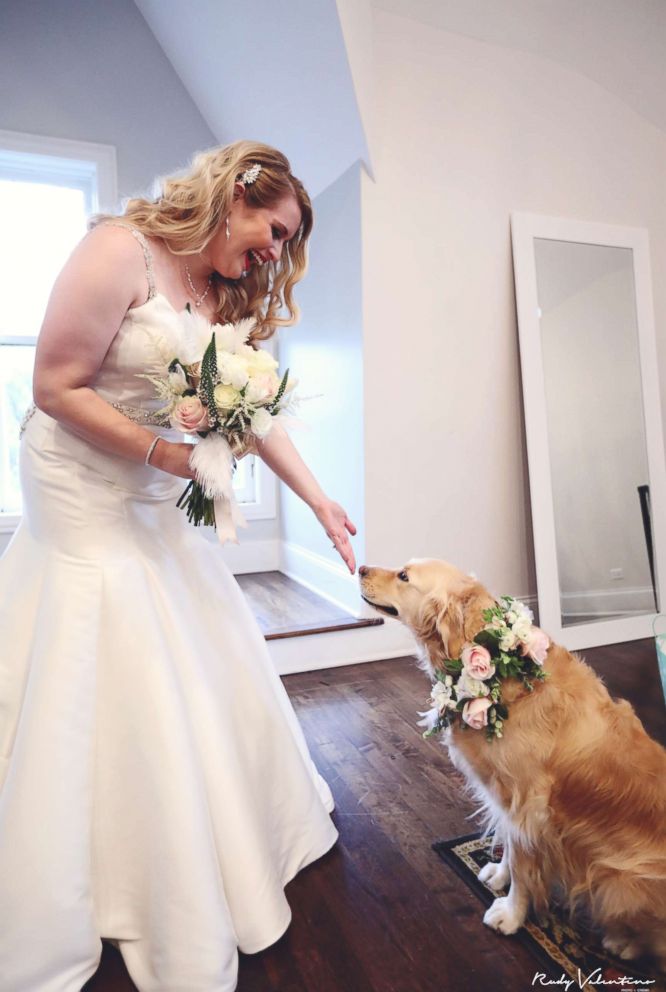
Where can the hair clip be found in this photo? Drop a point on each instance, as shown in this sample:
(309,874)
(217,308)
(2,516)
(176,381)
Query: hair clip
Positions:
(250,175)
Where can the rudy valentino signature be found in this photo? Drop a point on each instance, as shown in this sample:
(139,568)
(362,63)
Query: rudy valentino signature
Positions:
(595,978)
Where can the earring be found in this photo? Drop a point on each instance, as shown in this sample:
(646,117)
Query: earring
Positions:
(228,228)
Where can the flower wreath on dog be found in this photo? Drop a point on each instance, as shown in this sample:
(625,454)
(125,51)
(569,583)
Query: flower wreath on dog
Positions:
(470,687)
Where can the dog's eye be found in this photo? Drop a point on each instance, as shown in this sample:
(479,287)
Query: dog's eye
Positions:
(403,576)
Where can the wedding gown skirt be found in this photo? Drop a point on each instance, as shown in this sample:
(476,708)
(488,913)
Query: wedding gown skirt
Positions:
(156,788)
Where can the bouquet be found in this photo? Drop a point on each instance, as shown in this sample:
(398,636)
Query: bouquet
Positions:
(228,393)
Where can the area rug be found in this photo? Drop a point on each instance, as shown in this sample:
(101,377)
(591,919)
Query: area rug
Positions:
(570,955)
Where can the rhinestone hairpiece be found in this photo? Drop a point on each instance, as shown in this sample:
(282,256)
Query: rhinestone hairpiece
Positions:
(251,174)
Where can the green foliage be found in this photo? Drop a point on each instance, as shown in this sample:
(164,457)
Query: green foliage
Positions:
(273,407)
(209,379)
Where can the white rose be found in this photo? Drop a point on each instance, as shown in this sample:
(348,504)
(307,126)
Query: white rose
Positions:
(523,611)
(261,422)
(233,370)
(521,628)
(511,618)
(470,688)
(226,397)
(508,641)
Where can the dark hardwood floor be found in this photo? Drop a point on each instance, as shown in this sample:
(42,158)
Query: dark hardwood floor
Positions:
(381,912)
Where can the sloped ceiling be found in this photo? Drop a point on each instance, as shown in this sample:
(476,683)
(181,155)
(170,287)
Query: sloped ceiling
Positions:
(620,44)
(270,71)
(288,72)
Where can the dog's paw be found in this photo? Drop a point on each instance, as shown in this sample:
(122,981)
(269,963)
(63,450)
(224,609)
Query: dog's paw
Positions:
(621,947)
(495,875)
(504,916)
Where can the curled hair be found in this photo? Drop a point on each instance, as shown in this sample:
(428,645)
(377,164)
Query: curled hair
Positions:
(191,207)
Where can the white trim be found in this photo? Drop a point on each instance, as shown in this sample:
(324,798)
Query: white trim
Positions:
(264,506)
(325,577)
(312,652)
(103,157)
(524,228)
(622,602)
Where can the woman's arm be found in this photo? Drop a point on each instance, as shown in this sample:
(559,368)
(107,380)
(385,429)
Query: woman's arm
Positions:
(103,278)
(282,457)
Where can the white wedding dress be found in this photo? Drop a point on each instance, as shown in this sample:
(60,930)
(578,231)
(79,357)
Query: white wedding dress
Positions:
(155,786)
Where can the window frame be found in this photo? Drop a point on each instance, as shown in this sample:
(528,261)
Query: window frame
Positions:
(88,166)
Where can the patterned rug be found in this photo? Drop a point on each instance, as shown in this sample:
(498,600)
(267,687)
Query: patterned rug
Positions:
(562,950)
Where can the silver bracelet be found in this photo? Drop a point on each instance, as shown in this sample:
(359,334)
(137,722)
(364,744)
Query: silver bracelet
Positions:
(151,449)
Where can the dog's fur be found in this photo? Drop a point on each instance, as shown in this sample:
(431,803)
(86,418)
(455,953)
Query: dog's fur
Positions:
(575,790)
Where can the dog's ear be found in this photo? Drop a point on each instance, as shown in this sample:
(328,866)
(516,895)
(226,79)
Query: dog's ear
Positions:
(452,627)
(462,619)
(426,626)
(439,627)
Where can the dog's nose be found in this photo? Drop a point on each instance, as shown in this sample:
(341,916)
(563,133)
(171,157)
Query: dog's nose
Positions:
(363,570)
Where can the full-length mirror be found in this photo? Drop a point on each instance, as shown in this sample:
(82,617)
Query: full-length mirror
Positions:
(593,424)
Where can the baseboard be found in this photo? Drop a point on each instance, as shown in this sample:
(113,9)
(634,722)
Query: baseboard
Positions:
(623,601)
(326,578)
(334,649)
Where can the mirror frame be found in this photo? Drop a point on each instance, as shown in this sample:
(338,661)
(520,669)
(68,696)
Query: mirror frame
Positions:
(525,227)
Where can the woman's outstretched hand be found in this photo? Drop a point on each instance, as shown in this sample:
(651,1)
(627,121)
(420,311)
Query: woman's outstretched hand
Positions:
(336,523)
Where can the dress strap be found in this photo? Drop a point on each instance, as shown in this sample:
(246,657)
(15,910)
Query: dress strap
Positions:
(145,247)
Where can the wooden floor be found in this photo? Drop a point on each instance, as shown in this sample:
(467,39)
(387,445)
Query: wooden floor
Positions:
(381,912)
(285,608)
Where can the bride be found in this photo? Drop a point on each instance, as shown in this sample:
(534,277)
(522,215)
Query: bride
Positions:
(155,786)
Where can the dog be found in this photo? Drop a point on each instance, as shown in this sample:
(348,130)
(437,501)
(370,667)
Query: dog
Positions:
(573,787)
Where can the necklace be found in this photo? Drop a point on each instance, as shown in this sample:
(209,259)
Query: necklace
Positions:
(198,297)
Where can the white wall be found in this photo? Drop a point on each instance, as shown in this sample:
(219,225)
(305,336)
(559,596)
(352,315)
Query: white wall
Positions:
(324,352)
(94,72)
(466,132)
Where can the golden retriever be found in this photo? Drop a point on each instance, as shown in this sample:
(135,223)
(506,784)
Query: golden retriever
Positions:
(575,789)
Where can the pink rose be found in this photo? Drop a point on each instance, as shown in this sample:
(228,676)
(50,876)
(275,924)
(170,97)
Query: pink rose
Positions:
(536,645)
(477,661)
(190,415)
(262,387)
(475,712)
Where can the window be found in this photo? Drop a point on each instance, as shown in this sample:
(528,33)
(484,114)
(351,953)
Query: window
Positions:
(48,187)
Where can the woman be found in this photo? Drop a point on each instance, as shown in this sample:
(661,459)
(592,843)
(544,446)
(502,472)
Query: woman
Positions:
(156,789)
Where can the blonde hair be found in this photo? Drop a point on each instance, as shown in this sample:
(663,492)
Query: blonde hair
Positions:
(194,204)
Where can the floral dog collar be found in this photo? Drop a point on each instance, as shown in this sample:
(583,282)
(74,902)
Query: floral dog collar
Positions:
(470,687)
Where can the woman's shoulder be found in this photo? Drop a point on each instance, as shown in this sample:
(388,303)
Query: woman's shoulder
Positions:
(110,247)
